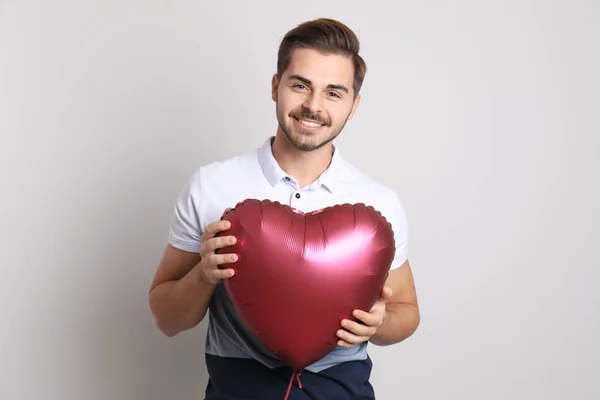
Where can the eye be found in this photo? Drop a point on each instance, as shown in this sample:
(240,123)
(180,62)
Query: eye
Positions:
(334,94)
(299,86)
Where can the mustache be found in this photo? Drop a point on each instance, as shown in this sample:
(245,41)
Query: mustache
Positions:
(307,114)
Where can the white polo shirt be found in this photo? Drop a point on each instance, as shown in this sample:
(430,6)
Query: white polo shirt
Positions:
(256,174)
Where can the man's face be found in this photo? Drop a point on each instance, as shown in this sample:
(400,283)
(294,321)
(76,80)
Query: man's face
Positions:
(314,98)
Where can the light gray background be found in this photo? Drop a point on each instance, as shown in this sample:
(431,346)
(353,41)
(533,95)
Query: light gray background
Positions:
(484,116)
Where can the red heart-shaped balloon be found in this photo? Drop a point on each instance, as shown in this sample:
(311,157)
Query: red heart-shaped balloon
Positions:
(299,274)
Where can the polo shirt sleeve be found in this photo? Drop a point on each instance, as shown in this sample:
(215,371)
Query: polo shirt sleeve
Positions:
(400,227)
(186,224)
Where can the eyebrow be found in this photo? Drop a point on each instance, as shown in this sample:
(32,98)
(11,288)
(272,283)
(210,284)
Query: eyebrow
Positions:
(308,82)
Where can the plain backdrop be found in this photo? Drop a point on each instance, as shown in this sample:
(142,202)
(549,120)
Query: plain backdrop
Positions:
(483,116)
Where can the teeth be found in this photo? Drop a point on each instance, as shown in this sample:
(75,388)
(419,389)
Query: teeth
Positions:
(309,124)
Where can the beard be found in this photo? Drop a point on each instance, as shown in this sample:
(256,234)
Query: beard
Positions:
(311,142)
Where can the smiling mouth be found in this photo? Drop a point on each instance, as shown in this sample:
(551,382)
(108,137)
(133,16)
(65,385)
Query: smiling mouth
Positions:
(308,123)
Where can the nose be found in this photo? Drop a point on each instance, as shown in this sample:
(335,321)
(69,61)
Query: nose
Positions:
(313,103)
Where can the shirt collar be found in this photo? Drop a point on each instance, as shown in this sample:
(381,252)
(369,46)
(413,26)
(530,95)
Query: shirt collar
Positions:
(274,174)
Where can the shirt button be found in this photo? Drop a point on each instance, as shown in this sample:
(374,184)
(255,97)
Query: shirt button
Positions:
(287,178)
(297,195)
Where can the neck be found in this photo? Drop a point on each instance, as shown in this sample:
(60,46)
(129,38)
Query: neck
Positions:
(305,166)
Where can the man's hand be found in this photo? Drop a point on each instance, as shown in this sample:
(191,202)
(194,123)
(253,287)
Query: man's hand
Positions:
(209,264)
(355,333)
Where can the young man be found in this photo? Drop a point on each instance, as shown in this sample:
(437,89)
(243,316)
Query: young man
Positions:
(316,91)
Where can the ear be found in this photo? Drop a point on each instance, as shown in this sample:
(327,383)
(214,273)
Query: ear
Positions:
(354,107)
(274,86)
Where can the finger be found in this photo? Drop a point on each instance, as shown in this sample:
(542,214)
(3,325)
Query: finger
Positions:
(369,319)
(347,345)
(215,227)
(350,338)
(220,242)
(220,259)
(358,329)
(216,274)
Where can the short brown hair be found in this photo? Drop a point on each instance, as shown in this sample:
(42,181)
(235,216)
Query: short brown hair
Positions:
(328,36)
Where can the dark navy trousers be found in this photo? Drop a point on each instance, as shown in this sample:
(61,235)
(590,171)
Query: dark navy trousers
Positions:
(247,379)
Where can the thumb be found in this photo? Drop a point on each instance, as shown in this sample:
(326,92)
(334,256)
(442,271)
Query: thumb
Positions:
(386,293)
